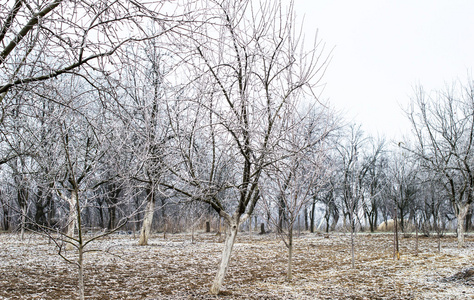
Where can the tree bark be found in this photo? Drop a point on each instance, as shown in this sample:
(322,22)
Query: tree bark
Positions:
(311,217)
(461,216)
(231,234)
(416,235)
(250,227)
(23,222)
(335,220)
(306,225)
(396,250)
(290,254)
(352,242)
(80,263)
(72,219)
(147,220)
(112,222)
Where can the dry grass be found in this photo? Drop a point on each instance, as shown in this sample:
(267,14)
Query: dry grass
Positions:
(173,268)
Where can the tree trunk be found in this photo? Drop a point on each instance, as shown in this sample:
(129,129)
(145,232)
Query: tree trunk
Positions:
(290,254)
(147,219)
(299,226)
(439,231)
(468,221)
(311,218)
(72,219)
(416,233)
(231,234)
(101,216)
(250,226)
(461,216)
(281,215)
(396,251)
(80,278)
(352,243)
(306,225)
(23,222)
(22,202)
(6,218)
(334,221)
(112,222)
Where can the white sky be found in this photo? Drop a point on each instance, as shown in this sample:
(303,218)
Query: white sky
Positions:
(383,49)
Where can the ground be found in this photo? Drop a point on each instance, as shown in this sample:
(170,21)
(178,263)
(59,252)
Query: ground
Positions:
(175,268)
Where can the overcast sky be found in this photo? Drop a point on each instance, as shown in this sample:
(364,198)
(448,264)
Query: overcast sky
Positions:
(383,49)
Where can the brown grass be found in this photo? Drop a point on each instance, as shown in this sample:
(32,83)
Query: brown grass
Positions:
(176,269)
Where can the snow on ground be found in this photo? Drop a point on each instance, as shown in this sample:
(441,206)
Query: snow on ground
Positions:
(175,268)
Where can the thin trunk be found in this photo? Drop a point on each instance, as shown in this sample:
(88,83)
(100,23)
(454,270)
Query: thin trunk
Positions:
(468,220)
(327,224)
(164,217)
(311,218)
(192,232)
(352,243)
(396,252)
(250,226)
(290,254)
(299,226)
(281,215)
(80,244)
(165,228)
(23,202)
(335,220)
(147,219)
(306,226)
(23,222)
(6,218)
(416,240)
(80,263)
(438,227)
(101,216)
(231,234)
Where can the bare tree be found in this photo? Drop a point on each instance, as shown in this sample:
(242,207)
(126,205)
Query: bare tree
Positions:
(375,183)
(142,110)
(403,175)
(68,140)
(247,69)
(43,40)
(444,126)
(298,177)
(356,161)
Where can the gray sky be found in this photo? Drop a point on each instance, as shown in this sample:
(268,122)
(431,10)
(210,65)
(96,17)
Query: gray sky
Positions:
(383,49)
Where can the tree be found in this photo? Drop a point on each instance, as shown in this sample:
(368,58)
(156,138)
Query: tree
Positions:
(403,174)
(355,162)
(443,123)
(375,183)
(296,179)
(67,143)
(43,40)
(247,70)
(142,111)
